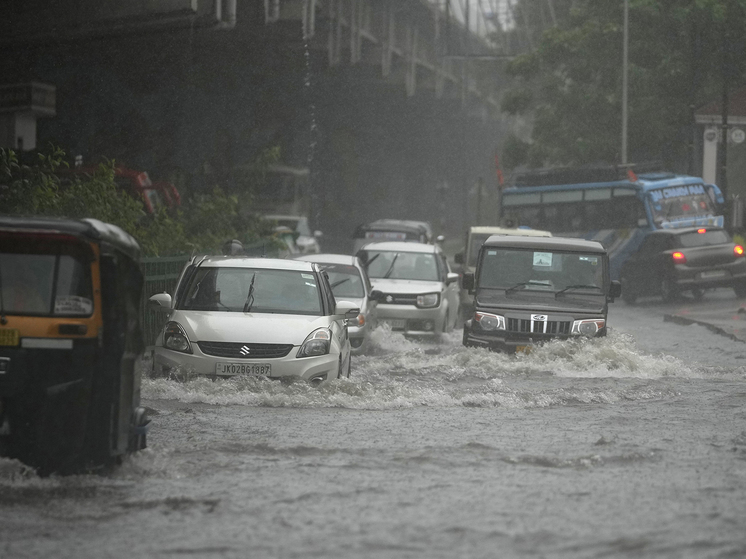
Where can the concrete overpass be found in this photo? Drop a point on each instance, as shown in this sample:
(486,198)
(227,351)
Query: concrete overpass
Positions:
(390,106)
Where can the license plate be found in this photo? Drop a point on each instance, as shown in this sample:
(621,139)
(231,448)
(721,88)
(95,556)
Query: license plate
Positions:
(712,274)
(396,323)
(9,336)
(523,349)
(243,369)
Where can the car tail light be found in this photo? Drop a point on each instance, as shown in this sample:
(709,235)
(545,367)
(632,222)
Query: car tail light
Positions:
(678,257)
(703,230)
(738,250)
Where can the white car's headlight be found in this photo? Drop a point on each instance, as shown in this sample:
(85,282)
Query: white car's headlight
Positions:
(317,343)
(588,327)
(489,321)
(428,300)
(175,338)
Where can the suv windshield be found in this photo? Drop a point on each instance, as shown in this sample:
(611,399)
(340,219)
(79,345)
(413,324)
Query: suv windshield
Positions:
(402,265)
(44,277)
(253,289)
(516,269)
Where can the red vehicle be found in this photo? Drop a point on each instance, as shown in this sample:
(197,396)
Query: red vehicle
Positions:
(137,184)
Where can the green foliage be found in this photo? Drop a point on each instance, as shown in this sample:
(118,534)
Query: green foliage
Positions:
(680,53)
(202,224)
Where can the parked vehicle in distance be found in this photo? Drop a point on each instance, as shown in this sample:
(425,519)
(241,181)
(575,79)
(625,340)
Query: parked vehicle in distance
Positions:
(530,290)
(419,291)
(402,230)
(70,342)
(349,282)
(303,240)
(467,258)
(691,259)
(265,317)
(153,194)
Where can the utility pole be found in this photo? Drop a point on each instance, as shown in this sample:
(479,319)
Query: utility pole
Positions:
(625,63)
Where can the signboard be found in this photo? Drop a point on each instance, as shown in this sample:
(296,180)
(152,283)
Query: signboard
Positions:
(32,97)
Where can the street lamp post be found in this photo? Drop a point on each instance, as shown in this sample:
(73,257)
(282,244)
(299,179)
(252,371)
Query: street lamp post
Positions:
(625,60)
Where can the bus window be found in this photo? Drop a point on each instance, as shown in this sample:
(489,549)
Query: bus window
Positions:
(627,212)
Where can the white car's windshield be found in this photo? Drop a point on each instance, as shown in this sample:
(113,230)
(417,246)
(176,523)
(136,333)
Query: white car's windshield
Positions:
(402,265)
(513,269)
(345,280)
(253,290)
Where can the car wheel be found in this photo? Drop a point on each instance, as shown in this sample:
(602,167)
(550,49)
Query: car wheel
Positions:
(740,289)
(349,365)
(669,290)
(629,295)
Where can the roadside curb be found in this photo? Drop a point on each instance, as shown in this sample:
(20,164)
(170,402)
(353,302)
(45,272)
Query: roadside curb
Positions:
(677,319)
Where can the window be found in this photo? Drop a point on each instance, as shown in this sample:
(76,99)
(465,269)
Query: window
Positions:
(257,290)
(45,278)
(402,265)
(344,280)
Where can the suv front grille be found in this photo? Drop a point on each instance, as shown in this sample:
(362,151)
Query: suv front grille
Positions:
(523,325)
(244,351)
(399,299)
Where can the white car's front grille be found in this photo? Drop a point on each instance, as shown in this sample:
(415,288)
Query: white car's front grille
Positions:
(238,350)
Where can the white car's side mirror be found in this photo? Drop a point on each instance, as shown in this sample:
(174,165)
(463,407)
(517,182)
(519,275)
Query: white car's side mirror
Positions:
(347,308)
(160,301)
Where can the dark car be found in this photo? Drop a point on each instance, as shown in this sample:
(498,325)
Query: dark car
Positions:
(383,230)
(692,259)
(530,290)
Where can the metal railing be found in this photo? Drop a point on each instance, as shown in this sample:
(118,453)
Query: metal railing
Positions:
(161,275)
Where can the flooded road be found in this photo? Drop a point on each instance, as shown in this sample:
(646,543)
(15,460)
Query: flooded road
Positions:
(629,446)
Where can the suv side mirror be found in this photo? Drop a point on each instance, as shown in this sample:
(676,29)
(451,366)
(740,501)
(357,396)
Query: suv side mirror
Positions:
(615,290)
(467,282)
(451,277)
(376,295)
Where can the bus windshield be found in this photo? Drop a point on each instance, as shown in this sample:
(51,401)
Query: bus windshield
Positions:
(671,205)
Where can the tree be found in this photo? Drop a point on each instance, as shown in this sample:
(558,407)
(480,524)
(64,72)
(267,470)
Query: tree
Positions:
(203,224)
(570,84)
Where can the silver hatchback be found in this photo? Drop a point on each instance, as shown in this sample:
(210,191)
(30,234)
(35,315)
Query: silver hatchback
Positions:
(349,282)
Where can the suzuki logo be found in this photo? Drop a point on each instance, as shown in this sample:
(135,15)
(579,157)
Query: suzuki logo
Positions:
(245,350)
(541,317)
(389,299)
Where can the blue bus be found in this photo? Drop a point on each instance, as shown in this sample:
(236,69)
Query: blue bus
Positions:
(619,211)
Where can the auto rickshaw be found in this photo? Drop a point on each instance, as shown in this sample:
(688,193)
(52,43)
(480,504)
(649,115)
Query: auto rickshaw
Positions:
(70,343)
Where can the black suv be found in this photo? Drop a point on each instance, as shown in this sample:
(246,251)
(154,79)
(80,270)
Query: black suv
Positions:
(530,290)
(670,261)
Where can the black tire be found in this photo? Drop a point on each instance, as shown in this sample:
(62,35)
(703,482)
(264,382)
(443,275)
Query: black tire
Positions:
(629,295)
(740,289)
(669,290)
(349,364)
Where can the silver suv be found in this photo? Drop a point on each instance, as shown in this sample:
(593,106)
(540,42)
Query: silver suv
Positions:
(420,294)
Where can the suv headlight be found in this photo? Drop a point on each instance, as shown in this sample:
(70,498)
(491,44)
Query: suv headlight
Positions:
(428,300)
(588,327)
(175,338)
(317,343)
(489,321)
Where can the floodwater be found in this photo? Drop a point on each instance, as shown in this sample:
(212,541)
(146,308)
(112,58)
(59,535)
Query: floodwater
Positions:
(629,446)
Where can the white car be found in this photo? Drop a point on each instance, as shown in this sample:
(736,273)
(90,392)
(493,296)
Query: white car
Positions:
(420,294)
(253,316)
(303,240)
(349,282)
